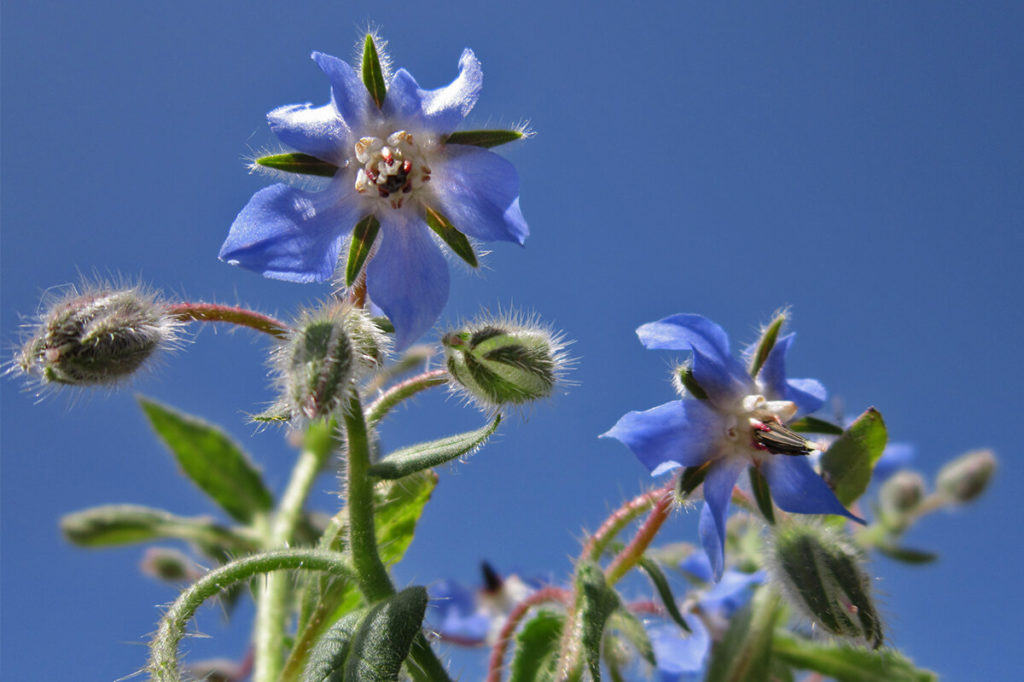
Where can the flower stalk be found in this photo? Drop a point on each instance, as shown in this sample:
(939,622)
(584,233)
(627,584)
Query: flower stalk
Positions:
(212,312)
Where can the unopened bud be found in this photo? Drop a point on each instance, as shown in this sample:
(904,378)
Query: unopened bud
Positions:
(967,476)
(500,362)
(328,349)
(901,493)
(97,337)
(822,575)
(170,565)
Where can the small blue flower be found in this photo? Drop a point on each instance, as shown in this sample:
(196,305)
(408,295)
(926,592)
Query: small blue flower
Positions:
(393,163)
(472,618)
(741,423)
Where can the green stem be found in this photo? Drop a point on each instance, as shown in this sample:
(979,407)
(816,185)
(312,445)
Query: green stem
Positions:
(272,612)
(371,575)
(403,390)
(212,312)
(163,660)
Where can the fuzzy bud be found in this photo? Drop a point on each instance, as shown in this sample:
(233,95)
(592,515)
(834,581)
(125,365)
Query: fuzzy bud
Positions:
(902,493)
(97,337)
(329,348)
(967,476)
(499,362)
(822,574)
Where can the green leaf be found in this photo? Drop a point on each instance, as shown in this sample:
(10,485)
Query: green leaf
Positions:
(597,602)
(849,664)
(383,639)
(304,164)
(633,630)
(907,555)
(536,651)
(766,343)
(745,651)
(668,600)
(401,463)
(123,524)
(762,494)
(484,138)
(327,660)
(815,425)
(212,461)
(457,241)
(373,74)
(848,463)
(399,507)
(363,236)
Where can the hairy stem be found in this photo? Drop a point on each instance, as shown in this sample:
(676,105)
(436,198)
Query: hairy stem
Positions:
(618,520)
(212,312)
(163,660)
(403,390)
(629,556)
(500,648)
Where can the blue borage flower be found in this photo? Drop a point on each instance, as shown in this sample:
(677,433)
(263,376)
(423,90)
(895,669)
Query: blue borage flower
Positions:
(393,164)
(472,618)
(738,423)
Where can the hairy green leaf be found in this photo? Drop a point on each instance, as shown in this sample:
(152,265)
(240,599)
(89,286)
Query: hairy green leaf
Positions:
(849,664)
(373,74)
(848,463)
(423,456)
(303,164)
(537,648)
(484,138)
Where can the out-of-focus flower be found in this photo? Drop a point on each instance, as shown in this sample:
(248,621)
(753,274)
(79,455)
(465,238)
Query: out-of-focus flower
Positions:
(738,421)
(396,170)
(471,618)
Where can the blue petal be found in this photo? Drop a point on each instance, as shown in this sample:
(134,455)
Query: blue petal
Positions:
(718,485)
(286,233)
(682,432)
(698,566)
(808,394)
(677,652)
(453,613)
(317,131)
(407,277)
(404,101)
(723,377)
(478,191)
(440,110)
(798,489)
(731,593)
(348,93)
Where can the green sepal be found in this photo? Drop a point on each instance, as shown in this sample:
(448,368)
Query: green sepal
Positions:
(907,555)
(630,627)
(426,455)
(212,460)
(745,651)
(661,586)
(363,236)
(689,382)
(327,659)
(536,653)
(815,425)
(294,162)
(849,664)
(384,324)
(848,463)
(457,241)
(484,138)
(691,478)
(373,74)
(597,601)
(762,494)
(124,524)
(766,343)
(384,637)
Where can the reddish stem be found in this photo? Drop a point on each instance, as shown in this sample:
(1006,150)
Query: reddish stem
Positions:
(213,312)
(548,594)
(629,556)
(617,521)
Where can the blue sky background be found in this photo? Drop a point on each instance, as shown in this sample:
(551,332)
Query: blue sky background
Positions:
(861,162)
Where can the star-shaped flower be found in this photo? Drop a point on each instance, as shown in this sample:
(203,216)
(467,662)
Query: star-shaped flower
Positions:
(739,421)
(401,178)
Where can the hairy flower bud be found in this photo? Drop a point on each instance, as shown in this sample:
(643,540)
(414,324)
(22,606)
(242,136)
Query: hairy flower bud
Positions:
(100,336)
(505,361)
(967,476)
(822,575)
(901,493)
(329,348)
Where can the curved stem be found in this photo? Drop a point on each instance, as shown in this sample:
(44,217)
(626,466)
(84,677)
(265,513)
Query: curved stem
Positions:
(213,312)
(500,648)
(618,520)
(163,660)
(629,556)
(403,390)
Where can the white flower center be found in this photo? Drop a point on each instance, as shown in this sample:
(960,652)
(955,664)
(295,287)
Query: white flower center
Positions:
(393,169)
(758,426)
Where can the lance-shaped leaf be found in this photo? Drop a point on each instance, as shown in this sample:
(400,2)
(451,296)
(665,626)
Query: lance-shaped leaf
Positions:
(373,74)
(907,555)
(294,162)
(597,601)
(426,455)
(815,425)
(849,664)
(363,236)
(484,138)
(764,346)
(848,463)
(536,653)
(457,241)
(384,637)
(212,461)
(123,524)
(327,660)
(745,651)
(661,586)
(762,494)
(630,627)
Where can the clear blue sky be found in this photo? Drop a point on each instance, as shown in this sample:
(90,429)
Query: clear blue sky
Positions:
(862,162)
